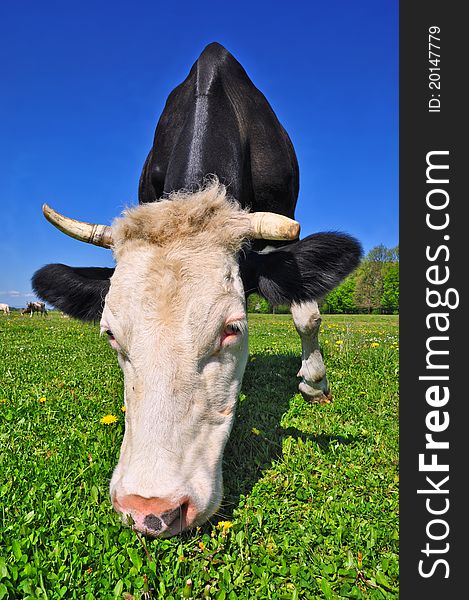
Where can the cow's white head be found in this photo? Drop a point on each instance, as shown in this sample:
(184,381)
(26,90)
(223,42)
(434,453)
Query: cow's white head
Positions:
(175,315)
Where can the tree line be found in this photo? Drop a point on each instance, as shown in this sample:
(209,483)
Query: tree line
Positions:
(372,288)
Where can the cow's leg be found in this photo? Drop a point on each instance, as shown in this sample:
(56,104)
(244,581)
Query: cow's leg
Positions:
(314,385)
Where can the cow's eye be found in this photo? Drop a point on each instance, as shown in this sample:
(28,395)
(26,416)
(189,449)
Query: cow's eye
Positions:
(111,338)
(231,333)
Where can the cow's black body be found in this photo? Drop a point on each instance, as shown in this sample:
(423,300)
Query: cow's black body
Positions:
(218,123)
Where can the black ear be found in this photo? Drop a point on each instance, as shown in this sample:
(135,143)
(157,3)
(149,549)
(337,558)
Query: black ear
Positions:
(77,291)
(304,270)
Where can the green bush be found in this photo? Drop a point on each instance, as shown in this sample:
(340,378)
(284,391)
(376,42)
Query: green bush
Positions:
(281,309)
(258,304)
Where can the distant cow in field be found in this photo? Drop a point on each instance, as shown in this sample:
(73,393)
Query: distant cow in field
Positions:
(5,308)
(35,307)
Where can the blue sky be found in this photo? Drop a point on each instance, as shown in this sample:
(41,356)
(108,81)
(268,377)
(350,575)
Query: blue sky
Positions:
(83,85)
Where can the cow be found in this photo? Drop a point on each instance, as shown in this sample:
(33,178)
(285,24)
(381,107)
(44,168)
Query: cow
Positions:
(35,307)
(214,223)
(5,308)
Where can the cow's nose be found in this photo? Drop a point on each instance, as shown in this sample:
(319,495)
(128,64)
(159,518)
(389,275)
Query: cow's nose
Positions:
(153,516)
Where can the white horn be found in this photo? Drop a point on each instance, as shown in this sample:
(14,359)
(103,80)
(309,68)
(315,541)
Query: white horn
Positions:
(99,235)
(271,226)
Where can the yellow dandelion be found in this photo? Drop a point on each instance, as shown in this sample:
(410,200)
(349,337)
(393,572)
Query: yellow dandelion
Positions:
(374,344)
(339,342)
(42,400)
(123,408)
(108,419)
(224,525)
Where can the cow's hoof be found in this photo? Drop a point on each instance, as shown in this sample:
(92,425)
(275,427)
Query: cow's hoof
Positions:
(315,395)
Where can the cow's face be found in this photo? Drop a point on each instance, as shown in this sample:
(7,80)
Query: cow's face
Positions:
(175,315)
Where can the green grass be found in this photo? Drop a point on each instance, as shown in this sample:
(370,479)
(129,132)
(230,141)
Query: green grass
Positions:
(311,490)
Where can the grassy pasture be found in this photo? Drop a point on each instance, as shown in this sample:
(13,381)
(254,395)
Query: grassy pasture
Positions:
(311,491)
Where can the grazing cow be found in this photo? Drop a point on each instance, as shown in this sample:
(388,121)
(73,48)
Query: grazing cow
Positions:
(35,307)
(5,308)
(214,223)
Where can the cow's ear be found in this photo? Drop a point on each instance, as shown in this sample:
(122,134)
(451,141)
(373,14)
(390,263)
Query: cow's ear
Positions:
(77,291)
(304,270)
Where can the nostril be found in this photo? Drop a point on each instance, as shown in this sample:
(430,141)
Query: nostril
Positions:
(170,516)
(153,522)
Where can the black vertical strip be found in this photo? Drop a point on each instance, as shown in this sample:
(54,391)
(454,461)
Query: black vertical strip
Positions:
(434,269)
